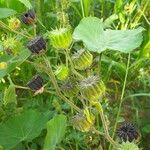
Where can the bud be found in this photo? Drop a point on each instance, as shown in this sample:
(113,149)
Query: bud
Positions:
(29,17)
(128,146)
(11,45)
(83,121)
(82,59)
(62,72)
(3,65)
(61,38)
(92,88)
(127,132)
(36,84)
(14,23)
(37,45)
(70,88)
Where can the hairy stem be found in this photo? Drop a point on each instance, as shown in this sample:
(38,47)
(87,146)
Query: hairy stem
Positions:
(54,81)
(107,136)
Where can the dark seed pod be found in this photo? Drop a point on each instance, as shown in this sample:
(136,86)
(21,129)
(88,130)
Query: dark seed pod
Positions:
(127,132)
(37,45)
(36,83)
(29,17)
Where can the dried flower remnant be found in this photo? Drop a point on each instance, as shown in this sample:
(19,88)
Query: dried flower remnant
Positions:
(37,45)
(127,132)
(29,17)
(36,84)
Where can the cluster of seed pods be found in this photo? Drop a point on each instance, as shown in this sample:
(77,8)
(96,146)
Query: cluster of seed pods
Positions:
(92,88)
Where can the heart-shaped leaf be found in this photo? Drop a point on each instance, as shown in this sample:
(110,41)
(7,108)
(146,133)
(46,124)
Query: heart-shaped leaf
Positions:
(23,127)
(55,132)
(91,32)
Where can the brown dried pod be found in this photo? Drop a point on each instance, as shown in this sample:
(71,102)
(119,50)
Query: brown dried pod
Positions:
(37,45)
(29,17)
(36,84)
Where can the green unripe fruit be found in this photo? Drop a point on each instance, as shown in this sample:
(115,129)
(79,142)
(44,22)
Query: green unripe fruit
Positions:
(61,38)
(92,88)
(62,72)
(83,121)
(70,88)
(128,146)
(11,45)
(82,59)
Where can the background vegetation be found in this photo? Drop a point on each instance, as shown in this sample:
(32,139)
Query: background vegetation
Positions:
(21,111)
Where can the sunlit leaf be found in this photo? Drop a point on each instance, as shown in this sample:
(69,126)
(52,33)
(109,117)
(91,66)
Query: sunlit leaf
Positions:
(91,32)
(55,132)
(6,12)
(23,127)
(26,3)
(10,95)
(13,62)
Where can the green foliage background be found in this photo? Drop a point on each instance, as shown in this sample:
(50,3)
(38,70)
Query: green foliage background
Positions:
(26,124)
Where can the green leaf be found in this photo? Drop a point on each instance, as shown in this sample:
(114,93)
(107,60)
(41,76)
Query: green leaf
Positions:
(26,3)
(91,32)
(55,131)
(146,128)
(22,127)
(13,62)
(6,12)
(10,95)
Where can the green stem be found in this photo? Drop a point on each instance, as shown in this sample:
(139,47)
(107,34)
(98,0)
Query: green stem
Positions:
(99,64)
(121,99)
(3,25)
(49,71)
(82,7)
(34,30)
(72,66)
(107,136)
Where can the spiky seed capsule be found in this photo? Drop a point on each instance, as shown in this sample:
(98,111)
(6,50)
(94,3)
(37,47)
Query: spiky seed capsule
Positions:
(36,84)
(82,59)
(83,123)
(11,45)
(61,38)
(128,146)
(37,45)
(62,72)
(92,88)
(3,65)
(29,17)
(70,88)
(14,23)
(127,132)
